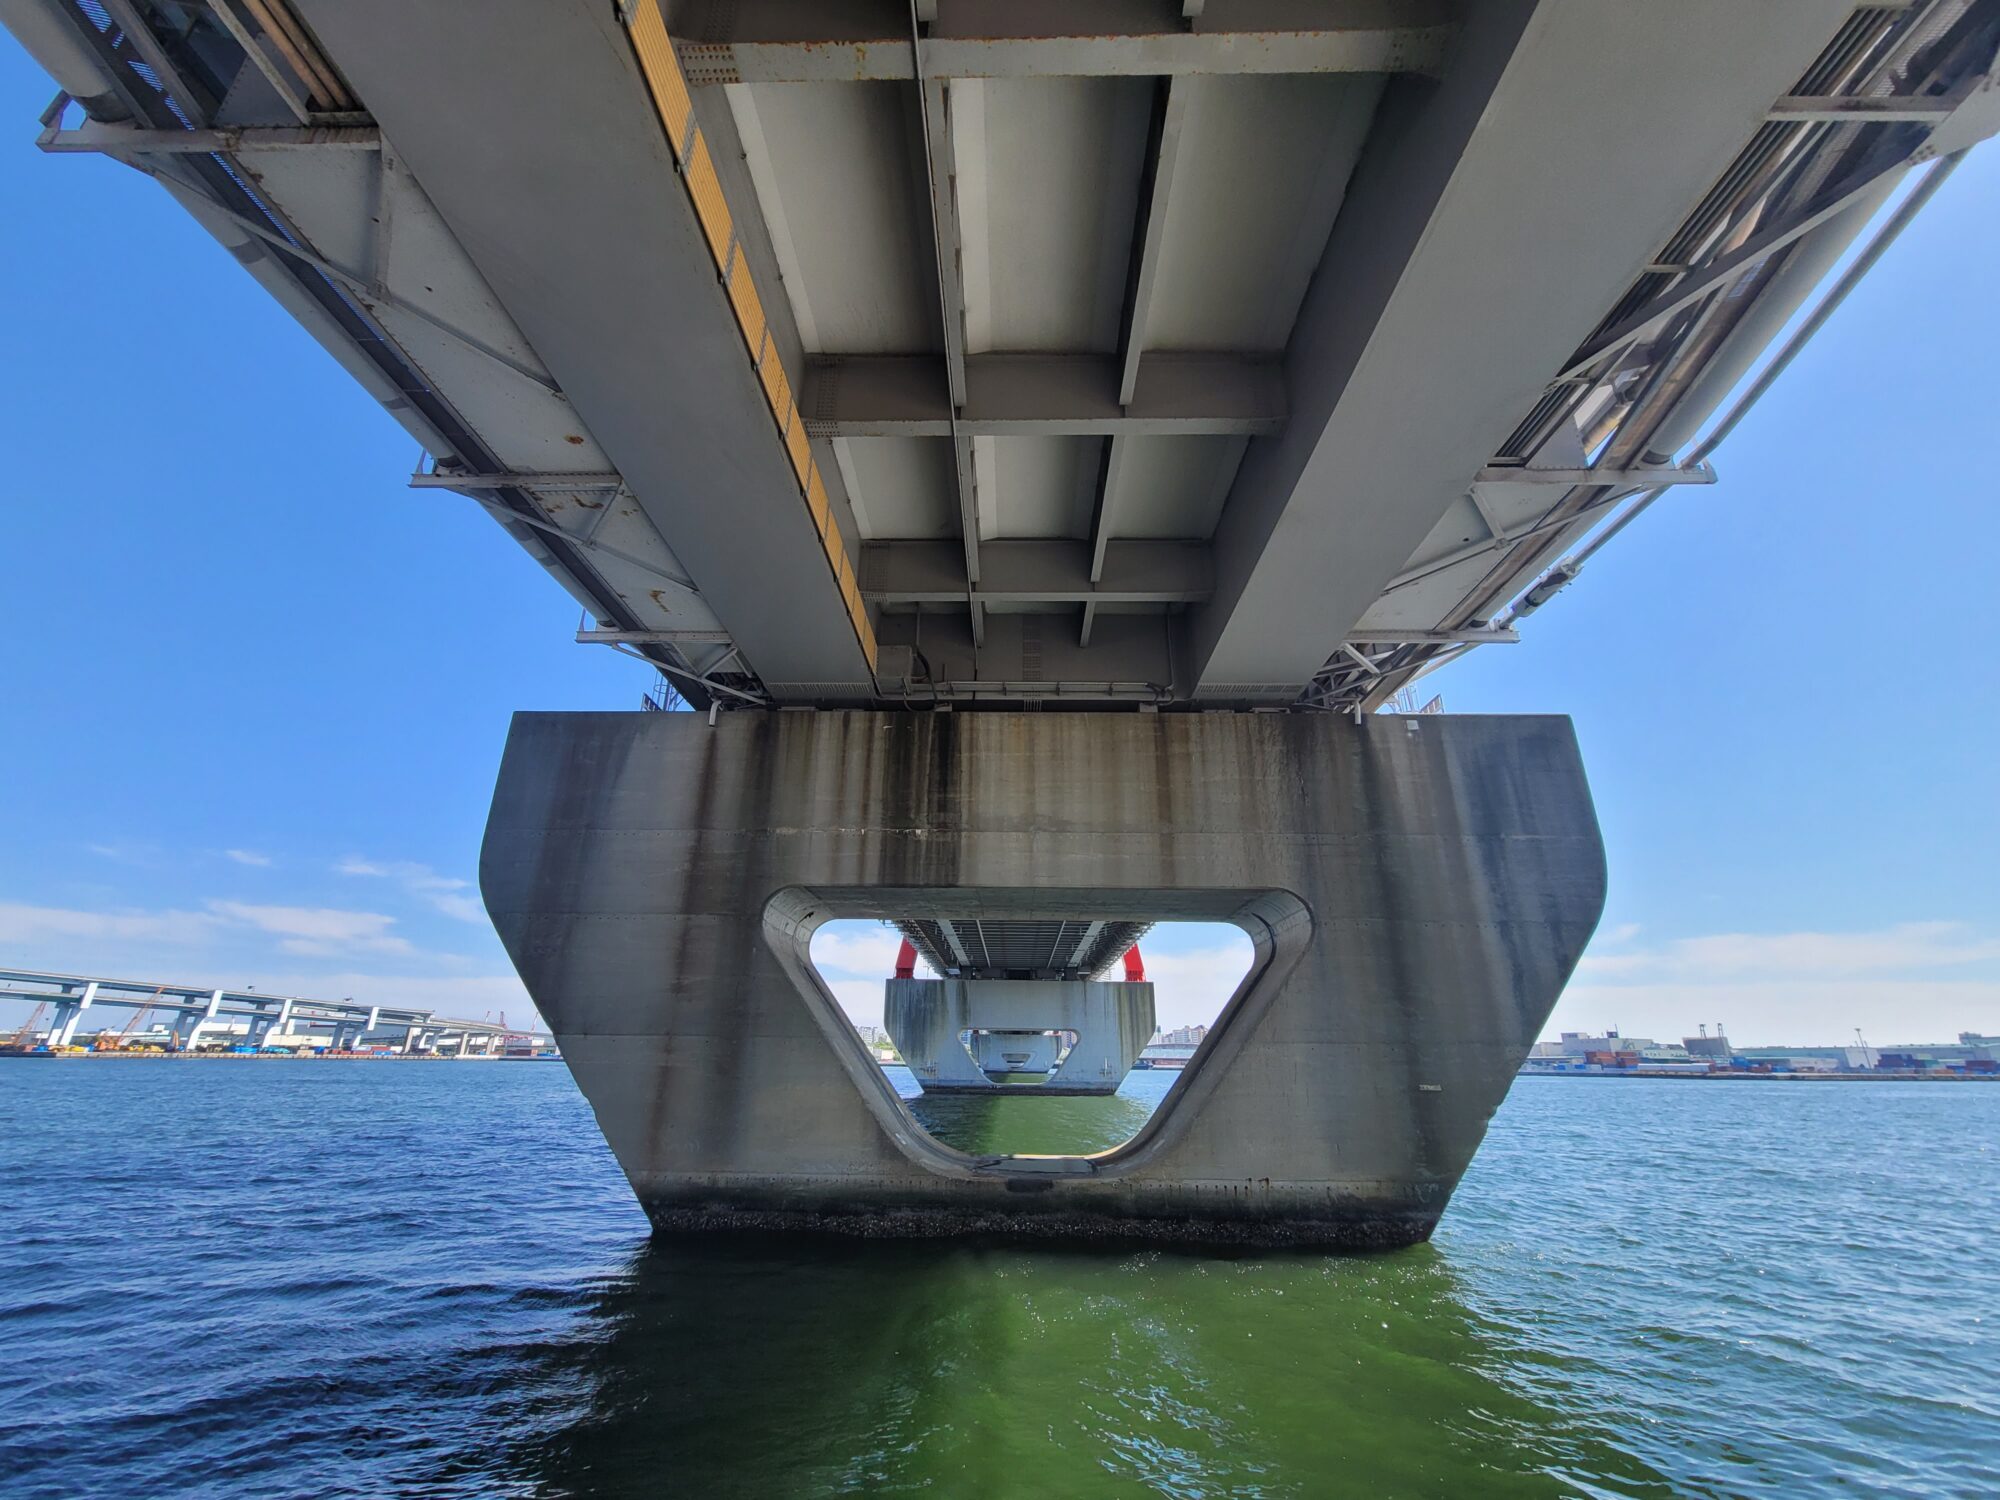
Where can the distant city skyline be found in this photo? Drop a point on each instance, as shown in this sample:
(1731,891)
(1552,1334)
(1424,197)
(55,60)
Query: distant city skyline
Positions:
(249,745)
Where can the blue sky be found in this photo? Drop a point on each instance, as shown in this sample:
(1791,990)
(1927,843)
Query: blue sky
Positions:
(256,688)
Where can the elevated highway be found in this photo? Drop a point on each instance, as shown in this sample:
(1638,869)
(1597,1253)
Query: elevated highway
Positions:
(1226,362)
(259,1019)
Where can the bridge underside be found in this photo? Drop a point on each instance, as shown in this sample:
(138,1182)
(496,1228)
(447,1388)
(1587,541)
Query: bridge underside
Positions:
(1417,890)
(1067,948)
(1080,352)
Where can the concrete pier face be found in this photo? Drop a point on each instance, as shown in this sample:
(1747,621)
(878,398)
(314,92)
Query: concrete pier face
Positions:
(1417,891)
(1018,1028)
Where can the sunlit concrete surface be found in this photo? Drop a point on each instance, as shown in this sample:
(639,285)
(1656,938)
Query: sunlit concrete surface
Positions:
(1417,891)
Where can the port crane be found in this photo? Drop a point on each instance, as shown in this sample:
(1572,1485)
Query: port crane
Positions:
(19,1041)
(117,1043)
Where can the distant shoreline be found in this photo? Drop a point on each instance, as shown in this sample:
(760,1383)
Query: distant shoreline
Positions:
(1740,1077)
(156,1054)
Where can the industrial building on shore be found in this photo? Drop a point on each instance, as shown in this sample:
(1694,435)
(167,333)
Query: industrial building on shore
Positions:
(1709,1055)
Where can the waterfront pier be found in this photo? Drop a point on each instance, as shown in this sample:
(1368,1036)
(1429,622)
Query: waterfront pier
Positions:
(1045,443)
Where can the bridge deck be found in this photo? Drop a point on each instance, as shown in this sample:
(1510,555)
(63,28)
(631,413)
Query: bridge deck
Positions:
(1260,352)
(1074,948)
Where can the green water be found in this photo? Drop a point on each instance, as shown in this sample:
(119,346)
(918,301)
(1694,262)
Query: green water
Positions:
(1022,1124)
(992,1372)
(352,1280)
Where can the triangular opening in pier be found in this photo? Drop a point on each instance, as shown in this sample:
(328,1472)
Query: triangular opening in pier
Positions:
(994,1066)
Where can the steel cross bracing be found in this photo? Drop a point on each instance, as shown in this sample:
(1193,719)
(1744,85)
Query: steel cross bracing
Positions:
(1065,350)
(164,113)
(1635,388)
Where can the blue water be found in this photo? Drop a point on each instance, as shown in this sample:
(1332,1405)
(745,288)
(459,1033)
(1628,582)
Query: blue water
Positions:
(300,1278)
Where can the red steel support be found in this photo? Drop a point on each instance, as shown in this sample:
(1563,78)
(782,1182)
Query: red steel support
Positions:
(1135,966)
(906,961)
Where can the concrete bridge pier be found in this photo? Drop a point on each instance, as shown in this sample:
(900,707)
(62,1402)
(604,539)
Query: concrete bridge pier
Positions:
(972,1036)
(262,1026)
(1416,890)
(347,1035)
(69,1015)
(189,1025)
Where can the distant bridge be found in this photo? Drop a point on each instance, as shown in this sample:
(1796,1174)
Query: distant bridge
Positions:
(249,1016)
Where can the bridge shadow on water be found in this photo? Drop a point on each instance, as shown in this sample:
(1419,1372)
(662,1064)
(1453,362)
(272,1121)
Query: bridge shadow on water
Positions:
(777,1365)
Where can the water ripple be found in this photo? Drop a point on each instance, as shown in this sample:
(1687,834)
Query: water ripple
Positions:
(431,1281)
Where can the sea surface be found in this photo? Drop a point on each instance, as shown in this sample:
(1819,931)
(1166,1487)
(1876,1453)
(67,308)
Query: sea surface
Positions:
(369,1279)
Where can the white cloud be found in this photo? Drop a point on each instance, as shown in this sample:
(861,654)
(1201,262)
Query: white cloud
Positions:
(1911,982)
(1192,986)
(21,923)
(853,959)
(248,857)
(223,935)
(1777,1012)
(444,893)
(318,930)
(858,950)
(453,904)
(139,854)
(1910,945)
(860,998)
(458,997)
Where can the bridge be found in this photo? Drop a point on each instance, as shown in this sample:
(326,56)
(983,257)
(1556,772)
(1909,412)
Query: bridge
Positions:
(243,1017)
(1041,436)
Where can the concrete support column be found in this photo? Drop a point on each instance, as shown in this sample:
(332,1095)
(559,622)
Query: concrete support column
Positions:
(1417,891)
(197,1023)
(1018,1027)
(279,1022)
(69,1015)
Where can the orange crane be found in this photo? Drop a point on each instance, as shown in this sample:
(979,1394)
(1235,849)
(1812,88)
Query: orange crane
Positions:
(117,1043)
(19,1041)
